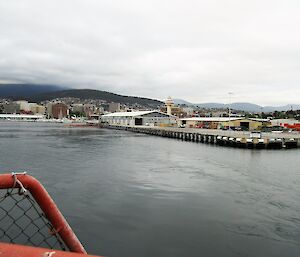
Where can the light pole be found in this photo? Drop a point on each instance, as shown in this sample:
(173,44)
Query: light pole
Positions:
(229,108)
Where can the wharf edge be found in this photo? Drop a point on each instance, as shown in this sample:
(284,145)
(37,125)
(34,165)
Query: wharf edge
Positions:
(240,139)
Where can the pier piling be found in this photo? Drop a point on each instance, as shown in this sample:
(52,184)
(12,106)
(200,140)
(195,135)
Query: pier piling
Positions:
(219,137)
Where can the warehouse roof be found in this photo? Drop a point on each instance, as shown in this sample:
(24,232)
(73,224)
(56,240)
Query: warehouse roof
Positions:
(132,114)
(259,119)
(213,119)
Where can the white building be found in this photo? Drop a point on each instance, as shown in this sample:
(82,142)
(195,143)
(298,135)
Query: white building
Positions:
(169,104)
(283,122)
(139,118)
(24,105)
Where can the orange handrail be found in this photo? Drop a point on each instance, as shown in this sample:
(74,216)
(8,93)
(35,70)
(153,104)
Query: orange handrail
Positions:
(46,204)
(13,250)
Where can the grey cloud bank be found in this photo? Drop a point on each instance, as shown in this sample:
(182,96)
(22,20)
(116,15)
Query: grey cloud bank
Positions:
(195,50)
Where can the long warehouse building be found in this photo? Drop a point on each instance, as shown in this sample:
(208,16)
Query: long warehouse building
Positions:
(139,118)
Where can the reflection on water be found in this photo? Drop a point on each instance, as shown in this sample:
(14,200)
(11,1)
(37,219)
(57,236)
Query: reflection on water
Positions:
(129,194)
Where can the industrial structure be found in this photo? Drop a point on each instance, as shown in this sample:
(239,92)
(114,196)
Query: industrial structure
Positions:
(139,118)
(169,104)
(225,122)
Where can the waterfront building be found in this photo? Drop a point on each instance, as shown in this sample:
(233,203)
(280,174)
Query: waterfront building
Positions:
(37,109)
(175,110)
(284,122)
(287,123)
(24,106)
(224,122)
(49,110)
(59,110)
(139,118)
(30,108)
(169,104)
(10,108)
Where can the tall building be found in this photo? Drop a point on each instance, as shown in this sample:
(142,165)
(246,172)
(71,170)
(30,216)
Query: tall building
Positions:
(169,103)
(49,110)
(59,110)
(24,105)
(175,110)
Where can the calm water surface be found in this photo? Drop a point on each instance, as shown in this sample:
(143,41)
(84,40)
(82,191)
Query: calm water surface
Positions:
(134,195)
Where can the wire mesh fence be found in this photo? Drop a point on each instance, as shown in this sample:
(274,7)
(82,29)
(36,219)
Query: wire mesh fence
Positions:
(23,222)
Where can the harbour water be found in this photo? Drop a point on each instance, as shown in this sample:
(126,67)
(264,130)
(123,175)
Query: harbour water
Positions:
(137,195)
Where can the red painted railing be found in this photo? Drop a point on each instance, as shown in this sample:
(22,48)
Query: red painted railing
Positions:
(12,250)
(60,225)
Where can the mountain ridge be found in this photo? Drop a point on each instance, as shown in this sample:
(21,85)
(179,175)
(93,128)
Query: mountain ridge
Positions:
(38,93)
(26,90)
(241,106)
(97,95)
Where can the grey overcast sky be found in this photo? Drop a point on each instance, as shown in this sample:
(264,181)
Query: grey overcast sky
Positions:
(191,49)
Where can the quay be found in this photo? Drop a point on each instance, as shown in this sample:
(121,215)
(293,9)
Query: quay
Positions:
(240,139)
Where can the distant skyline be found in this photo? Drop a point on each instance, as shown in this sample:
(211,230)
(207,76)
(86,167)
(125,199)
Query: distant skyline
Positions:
(193,50)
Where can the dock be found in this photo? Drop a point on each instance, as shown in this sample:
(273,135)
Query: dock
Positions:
(240,139)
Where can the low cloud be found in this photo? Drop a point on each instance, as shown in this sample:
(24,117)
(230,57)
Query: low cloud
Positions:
(196,50)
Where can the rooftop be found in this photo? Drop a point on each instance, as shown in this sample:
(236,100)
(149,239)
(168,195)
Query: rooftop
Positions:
(223,119)
(131,114)
(212,119)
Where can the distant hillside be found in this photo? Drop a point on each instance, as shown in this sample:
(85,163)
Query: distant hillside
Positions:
(26,90)
(181,101)
(248,107)
(212,105)
(282,108)
(95,94)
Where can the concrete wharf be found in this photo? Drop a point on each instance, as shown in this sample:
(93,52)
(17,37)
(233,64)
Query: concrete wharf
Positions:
(241,139)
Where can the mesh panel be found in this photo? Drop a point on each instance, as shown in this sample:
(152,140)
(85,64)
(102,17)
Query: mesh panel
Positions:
(23,222)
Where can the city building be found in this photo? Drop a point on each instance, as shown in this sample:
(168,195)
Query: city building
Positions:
(49,110)
(175,110)
(284,122)
(24,106)
(114,107)
(224,122)
(89,109)
(169,104)
(139,118)
(37,109)
(287,123)
(59,111)
(10,108)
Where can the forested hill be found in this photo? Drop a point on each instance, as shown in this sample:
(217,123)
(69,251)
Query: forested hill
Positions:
(95,94)
(26,90)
